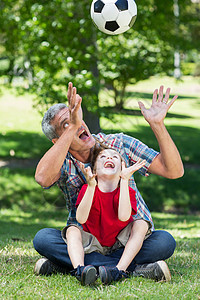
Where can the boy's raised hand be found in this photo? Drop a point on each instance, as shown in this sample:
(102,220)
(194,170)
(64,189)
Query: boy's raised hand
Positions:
(90,177)
(127,172)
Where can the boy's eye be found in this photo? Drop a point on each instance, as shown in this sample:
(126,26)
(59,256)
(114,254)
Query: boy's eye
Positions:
(102,156)
(115,156)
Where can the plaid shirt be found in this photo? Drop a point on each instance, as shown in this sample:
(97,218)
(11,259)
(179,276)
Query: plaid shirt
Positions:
(131,149)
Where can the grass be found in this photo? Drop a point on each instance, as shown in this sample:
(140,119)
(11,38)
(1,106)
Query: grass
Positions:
(18,257)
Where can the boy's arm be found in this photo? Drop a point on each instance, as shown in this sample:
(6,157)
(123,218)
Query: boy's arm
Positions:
(125,208)
(84,207)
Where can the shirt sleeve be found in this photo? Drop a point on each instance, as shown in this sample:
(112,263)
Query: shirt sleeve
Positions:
(133,201)
(81,194)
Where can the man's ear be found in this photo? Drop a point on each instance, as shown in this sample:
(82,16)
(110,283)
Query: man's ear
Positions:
(54,140)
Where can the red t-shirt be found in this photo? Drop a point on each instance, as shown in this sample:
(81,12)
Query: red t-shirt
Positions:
(103,220)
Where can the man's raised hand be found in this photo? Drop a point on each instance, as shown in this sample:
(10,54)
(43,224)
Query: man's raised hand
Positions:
(159,107)
(75,110)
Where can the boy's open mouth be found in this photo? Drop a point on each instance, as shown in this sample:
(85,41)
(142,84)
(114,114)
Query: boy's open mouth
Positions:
(109,164)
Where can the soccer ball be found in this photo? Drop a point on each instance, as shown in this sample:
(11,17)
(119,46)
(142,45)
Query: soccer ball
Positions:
(113,16)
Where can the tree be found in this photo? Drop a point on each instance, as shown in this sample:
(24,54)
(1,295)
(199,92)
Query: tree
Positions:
(53,42)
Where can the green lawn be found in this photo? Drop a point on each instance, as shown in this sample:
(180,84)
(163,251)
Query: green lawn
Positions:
(18,257)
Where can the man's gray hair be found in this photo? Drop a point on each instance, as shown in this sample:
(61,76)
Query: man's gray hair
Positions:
(47,128)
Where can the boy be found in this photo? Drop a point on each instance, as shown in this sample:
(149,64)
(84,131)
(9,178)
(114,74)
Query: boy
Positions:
(105,211)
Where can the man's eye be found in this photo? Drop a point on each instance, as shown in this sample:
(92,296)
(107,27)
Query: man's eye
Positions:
(65,125)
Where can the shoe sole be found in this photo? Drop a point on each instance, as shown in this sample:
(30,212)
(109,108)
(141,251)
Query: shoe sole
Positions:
(42,267)
(89,276)
(103,274)
(164,267)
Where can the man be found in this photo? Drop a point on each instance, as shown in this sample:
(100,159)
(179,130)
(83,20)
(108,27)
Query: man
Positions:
(72,144)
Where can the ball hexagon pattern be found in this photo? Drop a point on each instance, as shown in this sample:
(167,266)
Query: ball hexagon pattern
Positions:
(113,16)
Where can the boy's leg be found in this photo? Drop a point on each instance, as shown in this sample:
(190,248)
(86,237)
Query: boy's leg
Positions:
(149,262)
(134,244)
(75,246)
(160,245)
(137,232)
(49,243)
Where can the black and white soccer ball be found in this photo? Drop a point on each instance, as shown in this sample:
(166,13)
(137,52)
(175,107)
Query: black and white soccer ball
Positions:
(113,16)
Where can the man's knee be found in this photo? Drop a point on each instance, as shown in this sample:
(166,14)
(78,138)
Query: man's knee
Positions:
(38,240)
(44,239)
(166,241)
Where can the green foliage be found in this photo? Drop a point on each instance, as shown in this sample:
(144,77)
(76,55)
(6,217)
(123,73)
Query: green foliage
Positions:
(197,70)
(20,190)
(53,42)
(188,68)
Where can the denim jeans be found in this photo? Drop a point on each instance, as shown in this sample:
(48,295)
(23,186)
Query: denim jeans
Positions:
(48,242)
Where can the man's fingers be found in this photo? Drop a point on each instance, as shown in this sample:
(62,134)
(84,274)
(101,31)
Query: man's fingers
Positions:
(69,91)
(72,98)
(141,106)
(160,96)
(165,100)
(77,103)
(172,101)
(155,93)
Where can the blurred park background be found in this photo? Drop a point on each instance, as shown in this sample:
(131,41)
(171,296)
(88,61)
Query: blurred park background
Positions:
(44,45)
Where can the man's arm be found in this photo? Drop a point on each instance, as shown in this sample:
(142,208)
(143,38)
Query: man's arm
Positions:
(49,167)
(168,163)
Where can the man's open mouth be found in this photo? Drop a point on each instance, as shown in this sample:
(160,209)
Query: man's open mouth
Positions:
(83,135)
(109,165)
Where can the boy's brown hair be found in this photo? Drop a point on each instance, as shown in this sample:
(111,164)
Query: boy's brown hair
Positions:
(98,148)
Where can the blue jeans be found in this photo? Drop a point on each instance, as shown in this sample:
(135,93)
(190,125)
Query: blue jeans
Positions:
(48,242)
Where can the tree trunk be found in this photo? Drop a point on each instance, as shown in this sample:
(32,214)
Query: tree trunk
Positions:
(91,120)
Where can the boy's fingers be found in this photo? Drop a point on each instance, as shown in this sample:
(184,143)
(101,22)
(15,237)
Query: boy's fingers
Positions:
(123,165)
